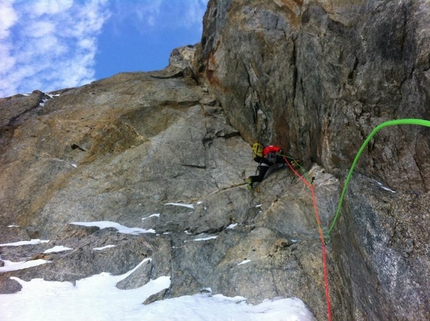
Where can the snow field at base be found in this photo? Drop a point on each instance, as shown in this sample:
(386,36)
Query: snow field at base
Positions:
(97,298)
(203,307)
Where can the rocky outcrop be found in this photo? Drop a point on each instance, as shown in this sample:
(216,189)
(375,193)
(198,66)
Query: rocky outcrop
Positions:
(316,77)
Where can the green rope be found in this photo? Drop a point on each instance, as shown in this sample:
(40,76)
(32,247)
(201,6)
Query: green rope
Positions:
(419,122)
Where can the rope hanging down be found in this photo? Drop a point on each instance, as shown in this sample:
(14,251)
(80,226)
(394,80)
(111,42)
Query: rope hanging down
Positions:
(288,159)
(324,255)
(407,121)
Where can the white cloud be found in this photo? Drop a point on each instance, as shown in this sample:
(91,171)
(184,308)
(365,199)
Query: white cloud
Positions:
(42,7)
(158,14)
(6,61)
(52,44)
(149,12)
(40,29)
(48,44)
(8,17)
(194,12)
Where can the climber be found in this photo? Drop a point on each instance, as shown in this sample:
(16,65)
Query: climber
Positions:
(265,157)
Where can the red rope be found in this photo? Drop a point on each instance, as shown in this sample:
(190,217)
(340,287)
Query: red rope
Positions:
(324,255)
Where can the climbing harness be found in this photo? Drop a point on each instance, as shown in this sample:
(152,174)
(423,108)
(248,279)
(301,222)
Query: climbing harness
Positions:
(271,157)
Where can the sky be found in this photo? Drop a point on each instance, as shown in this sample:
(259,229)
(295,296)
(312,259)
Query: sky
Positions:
(55,44)
(97,297)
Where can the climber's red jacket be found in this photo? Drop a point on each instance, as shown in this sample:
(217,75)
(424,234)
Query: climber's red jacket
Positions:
(271,149)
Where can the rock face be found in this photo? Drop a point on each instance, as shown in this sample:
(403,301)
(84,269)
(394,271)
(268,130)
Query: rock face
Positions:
(316,77)
(153,152)
(166,155)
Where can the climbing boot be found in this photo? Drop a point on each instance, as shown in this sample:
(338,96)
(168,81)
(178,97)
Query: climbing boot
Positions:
(249,182)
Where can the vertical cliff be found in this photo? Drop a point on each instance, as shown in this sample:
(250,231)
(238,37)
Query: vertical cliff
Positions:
(152,166)
(316,77)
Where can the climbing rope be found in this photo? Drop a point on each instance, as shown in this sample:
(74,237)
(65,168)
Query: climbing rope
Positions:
(407,121)
(324,255)
(289,159)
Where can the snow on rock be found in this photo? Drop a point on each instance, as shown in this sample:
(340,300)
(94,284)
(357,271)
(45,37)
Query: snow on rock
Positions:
(57,249)
(98,298)
(152,215)
(385,188)
(191,206)
(103,247)
(121,228)
(13,266)
(244,262)
(21,243)
(206,238)
(232,226)
(92,298)
(206,307)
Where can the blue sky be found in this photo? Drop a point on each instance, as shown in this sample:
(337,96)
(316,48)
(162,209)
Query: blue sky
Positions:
(55,44)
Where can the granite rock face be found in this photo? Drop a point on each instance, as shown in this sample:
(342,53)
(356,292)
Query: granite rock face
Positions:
(316,77)
(152,153)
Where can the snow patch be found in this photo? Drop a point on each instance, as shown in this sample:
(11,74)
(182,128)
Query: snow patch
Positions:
(205,238)
(92,298)
(98,298)
(121,228)
(207,307)
(13,266)
(384,187)
(103,247)
(57,249)
(181,205)
(21,243)
(244,262)
(152,215)
(232,226)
